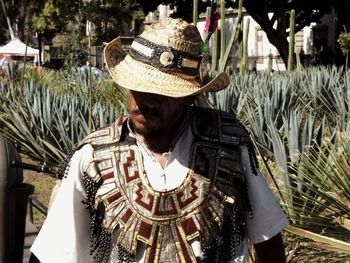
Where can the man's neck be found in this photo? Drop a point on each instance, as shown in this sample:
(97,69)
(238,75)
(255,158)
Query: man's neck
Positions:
(164,141)
(157,144)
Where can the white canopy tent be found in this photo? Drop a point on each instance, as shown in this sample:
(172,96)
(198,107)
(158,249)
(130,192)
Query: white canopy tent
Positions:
(17,48)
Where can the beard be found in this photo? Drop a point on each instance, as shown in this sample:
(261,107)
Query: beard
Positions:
(146,122)
(147,131)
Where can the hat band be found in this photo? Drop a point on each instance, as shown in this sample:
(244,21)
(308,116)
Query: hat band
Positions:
(165,58)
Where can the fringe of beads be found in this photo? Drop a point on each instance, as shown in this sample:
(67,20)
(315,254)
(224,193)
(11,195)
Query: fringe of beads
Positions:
(252,158)
(100,238)
(124,256)
(64,166)
(222,249)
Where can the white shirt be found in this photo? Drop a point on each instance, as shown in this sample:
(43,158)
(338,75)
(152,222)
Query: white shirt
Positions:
(64,237)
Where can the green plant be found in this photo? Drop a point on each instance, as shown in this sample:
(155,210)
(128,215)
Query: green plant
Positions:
(288,116)
(344,44)
(322,204)
(291,40)
(195,12)
(49,121)
(235,39)
(244,60)
(222,29)
(297,56)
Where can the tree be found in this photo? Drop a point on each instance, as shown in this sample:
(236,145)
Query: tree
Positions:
(18,18)
(344,44)
(112,18)
(50,18)
(35,16)
(184,8)
(271,15)
(276,25)
(8,20)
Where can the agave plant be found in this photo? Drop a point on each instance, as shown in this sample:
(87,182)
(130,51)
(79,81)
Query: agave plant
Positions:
(286,113)
(47,121)
(11,70)
(322,221)
(287,116)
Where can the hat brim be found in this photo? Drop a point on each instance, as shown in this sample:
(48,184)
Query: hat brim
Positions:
(134,75)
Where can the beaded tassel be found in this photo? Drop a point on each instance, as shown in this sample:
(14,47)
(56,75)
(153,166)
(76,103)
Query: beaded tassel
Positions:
(222,249)
(100,239)
(242,195)
(64,166)
(124,256)
(252,158)
(211,252)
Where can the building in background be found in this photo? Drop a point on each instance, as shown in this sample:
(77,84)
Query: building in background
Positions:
(316,43)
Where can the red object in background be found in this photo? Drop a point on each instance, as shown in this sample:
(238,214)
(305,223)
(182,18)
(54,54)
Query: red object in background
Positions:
(212,23)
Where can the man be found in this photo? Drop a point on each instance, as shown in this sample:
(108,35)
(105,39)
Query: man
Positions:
(170,182)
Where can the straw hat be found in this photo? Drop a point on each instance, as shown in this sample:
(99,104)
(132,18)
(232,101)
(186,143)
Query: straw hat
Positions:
(165,59)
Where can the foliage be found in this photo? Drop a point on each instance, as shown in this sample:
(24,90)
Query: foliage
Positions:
(48,116)
(258,97)
(291,41)
(46,16)
(344,44)
(235,39)
(291,116)
(244,61)
(276,26)
(75,52)
(3,26)
(112,18)
(322,203)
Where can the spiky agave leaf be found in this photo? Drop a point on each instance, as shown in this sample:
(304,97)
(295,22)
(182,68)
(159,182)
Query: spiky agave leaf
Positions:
(323,202)
(47,124)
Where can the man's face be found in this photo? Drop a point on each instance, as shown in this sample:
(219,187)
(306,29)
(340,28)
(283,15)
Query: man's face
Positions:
(153,114)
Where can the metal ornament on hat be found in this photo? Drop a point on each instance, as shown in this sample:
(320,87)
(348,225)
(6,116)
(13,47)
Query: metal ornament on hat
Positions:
(165,58)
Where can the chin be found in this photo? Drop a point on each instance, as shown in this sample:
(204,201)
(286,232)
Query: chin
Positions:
(146,127)
(147,131)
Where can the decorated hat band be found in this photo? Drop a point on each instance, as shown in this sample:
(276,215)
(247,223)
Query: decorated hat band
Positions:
(165,58)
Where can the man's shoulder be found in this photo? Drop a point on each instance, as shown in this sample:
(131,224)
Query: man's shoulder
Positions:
(108,134)
(218,126)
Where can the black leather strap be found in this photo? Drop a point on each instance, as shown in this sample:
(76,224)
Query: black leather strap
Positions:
(176,57)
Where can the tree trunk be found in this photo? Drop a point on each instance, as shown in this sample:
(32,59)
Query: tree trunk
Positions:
(23,18)
(277,37)
(281,44)
(40,41)
(12,34)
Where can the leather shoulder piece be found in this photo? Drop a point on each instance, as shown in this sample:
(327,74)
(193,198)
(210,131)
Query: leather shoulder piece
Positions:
(106,135)
(217,126)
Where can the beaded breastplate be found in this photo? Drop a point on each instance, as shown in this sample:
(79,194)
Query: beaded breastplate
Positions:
(126,212)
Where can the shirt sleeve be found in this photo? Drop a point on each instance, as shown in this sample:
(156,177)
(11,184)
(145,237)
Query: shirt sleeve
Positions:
(64,236)
(268,217)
